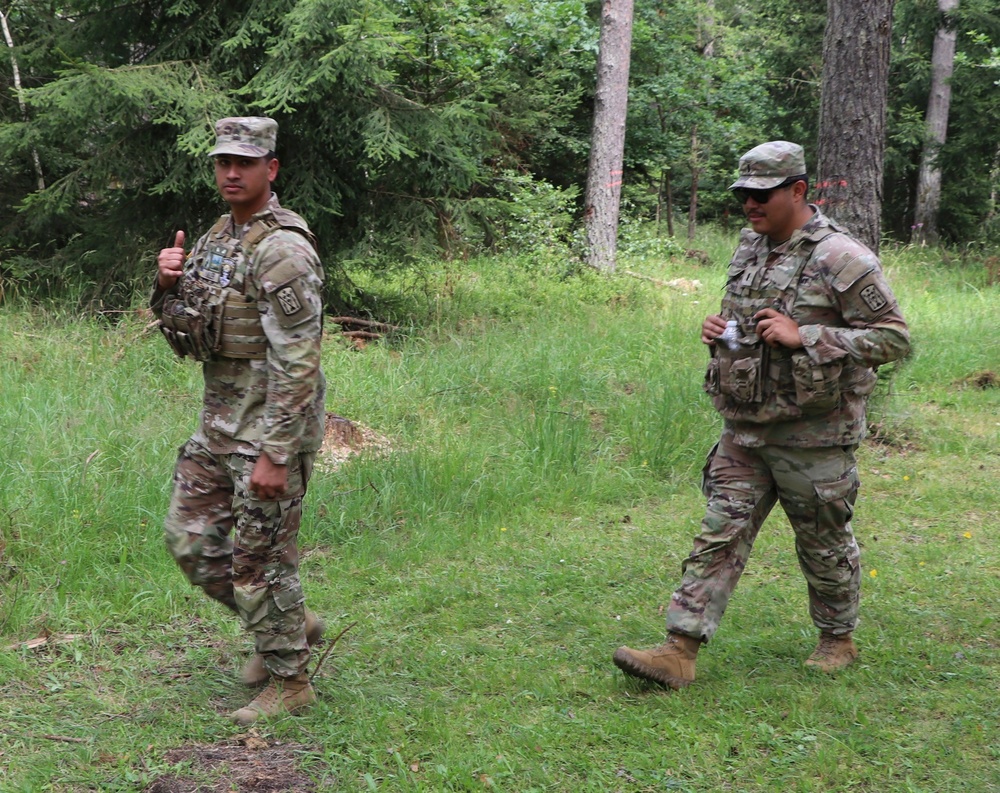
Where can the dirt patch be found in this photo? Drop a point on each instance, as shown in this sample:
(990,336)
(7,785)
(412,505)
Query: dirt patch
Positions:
(246,765)
(980,380)
(698,257)
(890,437)
(343,438)
(685,285)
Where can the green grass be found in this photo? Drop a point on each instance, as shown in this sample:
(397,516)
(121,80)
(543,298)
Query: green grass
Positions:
(548,429)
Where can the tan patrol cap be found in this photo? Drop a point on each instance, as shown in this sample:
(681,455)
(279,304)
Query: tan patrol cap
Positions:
(247,136)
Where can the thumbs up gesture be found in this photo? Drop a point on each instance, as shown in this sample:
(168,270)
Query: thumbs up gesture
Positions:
(170,263)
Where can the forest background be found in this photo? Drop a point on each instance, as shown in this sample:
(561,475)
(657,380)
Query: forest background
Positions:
(533,429)
(418,129)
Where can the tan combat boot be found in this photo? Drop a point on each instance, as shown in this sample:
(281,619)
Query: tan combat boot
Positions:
(255,675)
(282,696)
(833,653)
(671,664)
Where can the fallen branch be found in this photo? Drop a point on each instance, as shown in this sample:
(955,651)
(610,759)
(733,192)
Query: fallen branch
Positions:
(46,638)
(338,493)
(364,323)
(328,649)
(64,739)
(652,280)
(361,334)
(683,284)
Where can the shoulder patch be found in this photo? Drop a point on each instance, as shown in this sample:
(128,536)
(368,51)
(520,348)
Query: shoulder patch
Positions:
(870,295)
(292,303)
(873,298)
(288,300)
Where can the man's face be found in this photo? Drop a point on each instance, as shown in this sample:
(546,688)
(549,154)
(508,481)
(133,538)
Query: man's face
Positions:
(245,182)
(775,212)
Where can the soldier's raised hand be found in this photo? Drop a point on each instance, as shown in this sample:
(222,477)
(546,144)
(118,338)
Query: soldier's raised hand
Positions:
(170,263)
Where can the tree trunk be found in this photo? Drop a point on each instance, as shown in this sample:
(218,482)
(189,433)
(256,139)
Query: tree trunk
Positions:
(994,179)
(607,143)
(706,29)
(856,47)
(695,172)
(706,25)
(20,99)
(925,215)
(660,185)
(670,206)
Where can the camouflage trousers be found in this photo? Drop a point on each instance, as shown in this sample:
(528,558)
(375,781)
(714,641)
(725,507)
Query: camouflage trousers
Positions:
(817,488)
(242,550)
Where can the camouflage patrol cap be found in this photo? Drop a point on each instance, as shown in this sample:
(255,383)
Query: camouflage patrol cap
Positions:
(248,136)
(770,164)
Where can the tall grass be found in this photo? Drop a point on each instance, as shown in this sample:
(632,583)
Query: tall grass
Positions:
(547,428)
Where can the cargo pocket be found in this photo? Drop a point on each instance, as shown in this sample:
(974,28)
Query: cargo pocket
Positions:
(845,486)
(288,593)
(252,602)
(835,499)
(817,386)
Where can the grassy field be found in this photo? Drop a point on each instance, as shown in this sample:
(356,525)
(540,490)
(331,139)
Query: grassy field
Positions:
(546,431)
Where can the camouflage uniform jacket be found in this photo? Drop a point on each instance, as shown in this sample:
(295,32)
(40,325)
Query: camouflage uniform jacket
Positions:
(274,404)
(833,287)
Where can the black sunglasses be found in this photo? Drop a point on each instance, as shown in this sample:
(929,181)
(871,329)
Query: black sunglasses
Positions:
(763,196)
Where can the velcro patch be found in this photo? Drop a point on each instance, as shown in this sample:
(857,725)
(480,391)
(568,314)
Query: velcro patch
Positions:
(848,270)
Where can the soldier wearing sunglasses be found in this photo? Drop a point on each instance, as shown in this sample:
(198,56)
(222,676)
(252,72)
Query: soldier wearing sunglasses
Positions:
(814,319)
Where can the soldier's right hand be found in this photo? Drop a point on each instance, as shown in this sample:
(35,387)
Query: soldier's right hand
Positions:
(170,263)
(712,328)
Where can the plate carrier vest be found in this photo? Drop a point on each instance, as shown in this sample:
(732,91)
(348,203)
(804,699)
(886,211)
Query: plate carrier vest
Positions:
(206,318)
(760,384)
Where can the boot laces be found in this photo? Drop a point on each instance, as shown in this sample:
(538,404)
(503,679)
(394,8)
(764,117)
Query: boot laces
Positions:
(828,644)
(267,698)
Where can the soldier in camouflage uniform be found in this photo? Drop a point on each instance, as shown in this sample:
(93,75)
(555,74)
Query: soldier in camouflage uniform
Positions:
(814,318)
(246,302)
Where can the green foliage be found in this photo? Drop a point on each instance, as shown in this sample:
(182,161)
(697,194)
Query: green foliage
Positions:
(969,157)
(532,513)
(400,126)
(410,130)
(782,40)
(678,92)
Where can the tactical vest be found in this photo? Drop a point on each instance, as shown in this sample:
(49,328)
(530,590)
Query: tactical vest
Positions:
(211,314)
(757,383)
